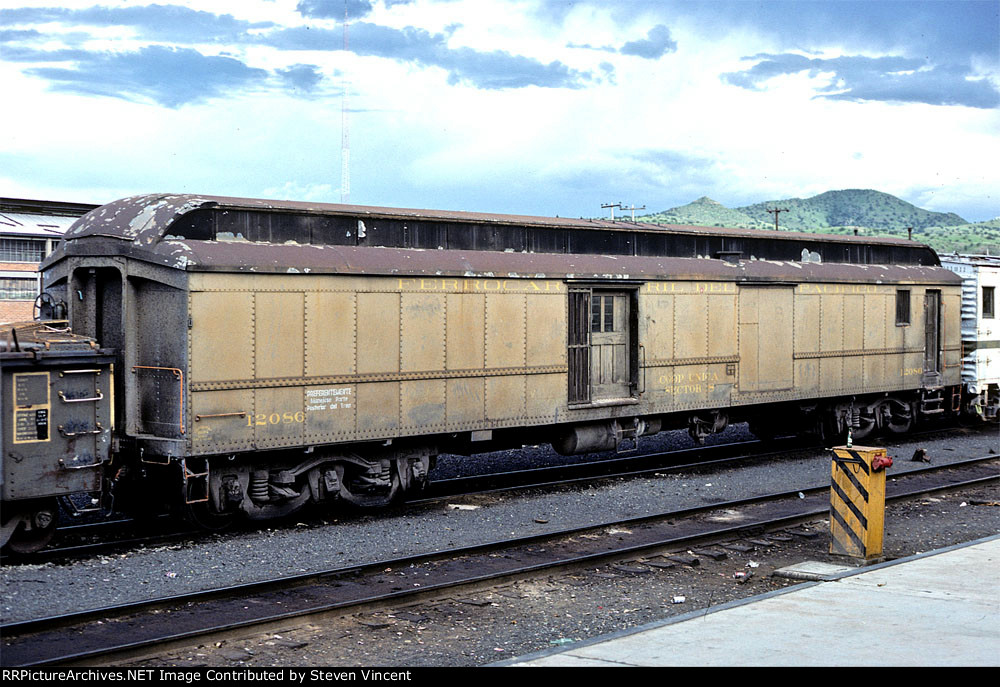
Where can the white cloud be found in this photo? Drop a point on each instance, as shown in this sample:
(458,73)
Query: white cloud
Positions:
(430,127)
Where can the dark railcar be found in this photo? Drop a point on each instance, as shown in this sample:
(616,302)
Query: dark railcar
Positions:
(55,427)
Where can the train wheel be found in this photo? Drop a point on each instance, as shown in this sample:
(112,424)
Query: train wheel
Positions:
(362,489)
(866,425)
(863,431)
(38,526)
(898,417)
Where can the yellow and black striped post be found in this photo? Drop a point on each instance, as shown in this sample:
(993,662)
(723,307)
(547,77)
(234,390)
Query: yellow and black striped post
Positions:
(857,501)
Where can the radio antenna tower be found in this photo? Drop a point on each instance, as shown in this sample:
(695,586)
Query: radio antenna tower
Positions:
(345,133)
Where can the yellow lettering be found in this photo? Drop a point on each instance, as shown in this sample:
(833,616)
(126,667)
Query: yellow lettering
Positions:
(265,419)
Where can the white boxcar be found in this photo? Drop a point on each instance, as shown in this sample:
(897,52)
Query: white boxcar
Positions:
(980,330)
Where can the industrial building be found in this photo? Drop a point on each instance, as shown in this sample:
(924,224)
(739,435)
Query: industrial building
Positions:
(29,230)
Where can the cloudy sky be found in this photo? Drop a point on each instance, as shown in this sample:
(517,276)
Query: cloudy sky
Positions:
(547,107)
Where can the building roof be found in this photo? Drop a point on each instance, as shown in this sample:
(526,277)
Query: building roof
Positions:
(21,225)
(22,218)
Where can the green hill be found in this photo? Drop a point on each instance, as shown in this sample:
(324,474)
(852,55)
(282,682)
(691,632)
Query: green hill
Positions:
(853,207)
(704,212)
(870,213)
(979,237)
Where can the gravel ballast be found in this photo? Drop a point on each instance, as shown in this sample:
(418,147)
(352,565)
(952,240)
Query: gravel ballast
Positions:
(519,618)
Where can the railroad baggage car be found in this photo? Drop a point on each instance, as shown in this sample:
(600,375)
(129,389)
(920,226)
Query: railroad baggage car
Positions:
(271,354)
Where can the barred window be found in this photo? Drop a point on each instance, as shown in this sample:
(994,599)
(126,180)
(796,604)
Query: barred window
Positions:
(579,346)
(902,306)
(18,288)
(602,313)
(989,305)
(22,250)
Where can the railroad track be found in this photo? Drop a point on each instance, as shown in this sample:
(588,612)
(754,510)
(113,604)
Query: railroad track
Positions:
(129,631)
(78,542)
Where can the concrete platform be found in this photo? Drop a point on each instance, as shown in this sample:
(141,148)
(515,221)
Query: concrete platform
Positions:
(941,608)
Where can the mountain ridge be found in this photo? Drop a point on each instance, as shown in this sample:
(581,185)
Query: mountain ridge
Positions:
(864,211)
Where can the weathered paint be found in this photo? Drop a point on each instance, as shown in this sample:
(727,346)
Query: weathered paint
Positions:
(420,342)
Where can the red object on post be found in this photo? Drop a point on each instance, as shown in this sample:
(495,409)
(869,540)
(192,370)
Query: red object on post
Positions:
(881,462)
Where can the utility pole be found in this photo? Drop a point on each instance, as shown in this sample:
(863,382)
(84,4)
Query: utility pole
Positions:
(776,211)
(633,209)
(612,206)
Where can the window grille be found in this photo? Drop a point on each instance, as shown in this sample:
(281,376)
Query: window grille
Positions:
(18,288)
(22,250)
(579,346)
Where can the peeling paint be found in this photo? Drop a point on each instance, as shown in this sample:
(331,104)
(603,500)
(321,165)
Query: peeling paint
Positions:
(810,256)
(144,219)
